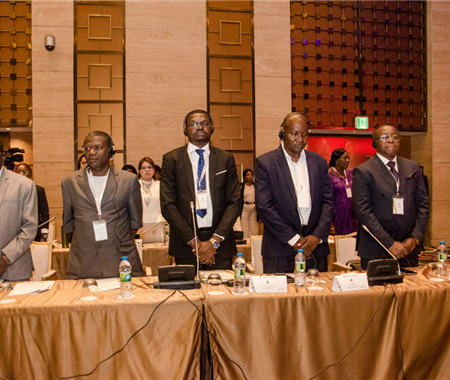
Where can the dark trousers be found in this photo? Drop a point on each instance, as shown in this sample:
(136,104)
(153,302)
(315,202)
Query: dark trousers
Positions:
(287,264)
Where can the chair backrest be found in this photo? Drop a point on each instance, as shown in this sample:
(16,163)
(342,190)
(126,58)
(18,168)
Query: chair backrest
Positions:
(256,243)
(345,246)
(41,254)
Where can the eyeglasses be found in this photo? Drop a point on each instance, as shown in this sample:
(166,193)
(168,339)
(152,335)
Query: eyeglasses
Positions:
(389,137)
(195,124)
(147,168)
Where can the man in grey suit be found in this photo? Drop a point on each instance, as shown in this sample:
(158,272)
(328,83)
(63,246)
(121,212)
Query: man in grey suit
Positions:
(103,210)
(205,177)
(18,223)
(390,199)
(294,199)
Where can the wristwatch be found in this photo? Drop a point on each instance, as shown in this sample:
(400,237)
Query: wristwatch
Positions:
(214,243)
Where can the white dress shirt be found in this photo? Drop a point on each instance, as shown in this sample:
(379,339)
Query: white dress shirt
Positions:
(385,161)
(300,178)
(207,220)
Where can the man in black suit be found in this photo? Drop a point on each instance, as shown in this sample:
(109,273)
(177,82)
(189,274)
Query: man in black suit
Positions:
(294,199)
(390,199)
(205,177)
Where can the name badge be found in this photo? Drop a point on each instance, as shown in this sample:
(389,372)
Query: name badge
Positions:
(303,200)
(398,205)
(202,200)
(348,191)
(100,231)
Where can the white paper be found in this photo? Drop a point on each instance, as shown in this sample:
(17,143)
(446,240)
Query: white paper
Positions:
(31,287)
(350,281)
(108,284)
(268,284)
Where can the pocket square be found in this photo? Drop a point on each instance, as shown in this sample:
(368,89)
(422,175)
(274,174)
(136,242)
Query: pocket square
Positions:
(412,175)
(223,171)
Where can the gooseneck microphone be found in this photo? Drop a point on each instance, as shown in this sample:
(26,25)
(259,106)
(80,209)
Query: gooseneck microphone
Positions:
(381,244)
(195,237)
(40,225)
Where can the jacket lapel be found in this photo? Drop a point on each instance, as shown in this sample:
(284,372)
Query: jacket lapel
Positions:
(186,168)
(83,182)
(286,174)
(311,175)
(383,171)
(111,183)
(212,170)
(4,182)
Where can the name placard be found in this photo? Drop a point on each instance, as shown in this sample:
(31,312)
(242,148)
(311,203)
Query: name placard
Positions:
(350,281)
(268,284)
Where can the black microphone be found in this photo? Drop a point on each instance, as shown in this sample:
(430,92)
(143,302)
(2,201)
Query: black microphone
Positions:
(380,243)
(40,225)
(195,237)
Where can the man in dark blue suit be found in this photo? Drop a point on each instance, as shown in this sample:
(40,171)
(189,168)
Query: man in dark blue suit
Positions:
(390,199)
(294,199)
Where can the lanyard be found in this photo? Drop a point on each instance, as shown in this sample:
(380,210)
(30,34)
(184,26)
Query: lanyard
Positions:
(98,199)
(195,169)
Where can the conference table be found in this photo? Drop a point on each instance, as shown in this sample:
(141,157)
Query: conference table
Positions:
(301,334)
(55,334)
(306,334)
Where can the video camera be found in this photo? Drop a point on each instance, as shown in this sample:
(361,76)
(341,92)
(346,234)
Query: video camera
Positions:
(12,156)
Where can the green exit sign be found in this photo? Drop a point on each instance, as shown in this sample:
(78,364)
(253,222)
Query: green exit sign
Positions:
(361,122)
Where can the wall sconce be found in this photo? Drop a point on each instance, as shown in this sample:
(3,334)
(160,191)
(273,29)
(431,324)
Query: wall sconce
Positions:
(49,42)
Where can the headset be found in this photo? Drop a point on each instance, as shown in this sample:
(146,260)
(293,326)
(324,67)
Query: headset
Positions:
(282,133)
(109,142)
(374,142)
(197,111)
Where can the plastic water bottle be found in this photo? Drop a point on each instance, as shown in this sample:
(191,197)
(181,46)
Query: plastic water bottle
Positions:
(299,270)
(442,252)
(166,233)
(126,289)
(239,274)
(442,255)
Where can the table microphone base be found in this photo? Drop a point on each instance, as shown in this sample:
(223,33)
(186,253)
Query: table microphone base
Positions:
(177,285)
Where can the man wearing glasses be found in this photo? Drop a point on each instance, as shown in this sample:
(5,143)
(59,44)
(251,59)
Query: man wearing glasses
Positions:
(390,199)
(206,177)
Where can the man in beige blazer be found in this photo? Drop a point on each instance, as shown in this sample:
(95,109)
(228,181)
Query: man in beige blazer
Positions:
(18,223)
(103,210)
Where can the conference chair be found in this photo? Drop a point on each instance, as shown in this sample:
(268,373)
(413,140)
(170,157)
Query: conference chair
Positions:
(345,247)
(257,264)
(41,254)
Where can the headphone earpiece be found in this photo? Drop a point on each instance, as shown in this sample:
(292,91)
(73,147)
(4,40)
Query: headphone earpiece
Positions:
(282,133)
(374,144)
(112,151)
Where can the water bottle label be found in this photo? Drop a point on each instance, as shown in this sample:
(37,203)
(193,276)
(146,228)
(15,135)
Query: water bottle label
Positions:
(299,267)
(239,272)
(442,257)
(125,277)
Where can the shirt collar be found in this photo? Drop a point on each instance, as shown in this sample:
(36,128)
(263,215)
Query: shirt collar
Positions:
(289,158)
(386,160)
(192,148)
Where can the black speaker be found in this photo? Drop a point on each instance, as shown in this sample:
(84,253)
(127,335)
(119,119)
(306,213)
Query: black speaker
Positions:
(383,271)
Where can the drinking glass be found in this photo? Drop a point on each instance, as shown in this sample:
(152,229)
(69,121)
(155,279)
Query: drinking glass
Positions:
(90,289)
(214,284)
(5,288)
(312,277)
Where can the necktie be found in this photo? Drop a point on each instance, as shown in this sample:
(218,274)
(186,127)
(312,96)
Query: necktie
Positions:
(201,185)
(394,172)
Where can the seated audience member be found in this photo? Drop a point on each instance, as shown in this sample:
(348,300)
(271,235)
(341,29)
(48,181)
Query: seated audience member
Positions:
(157,172)
(341,179)
(130,168)
(44,215)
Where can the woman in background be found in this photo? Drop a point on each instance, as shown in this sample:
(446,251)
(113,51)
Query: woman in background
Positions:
(82,163)
(43,212)
(249,222)
(130,168)
(149,190)
(341,179)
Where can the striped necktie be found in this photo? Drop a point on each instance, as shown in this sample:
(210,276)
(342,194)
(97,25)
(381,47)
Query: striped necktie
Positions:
(394,172)
(201,184)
